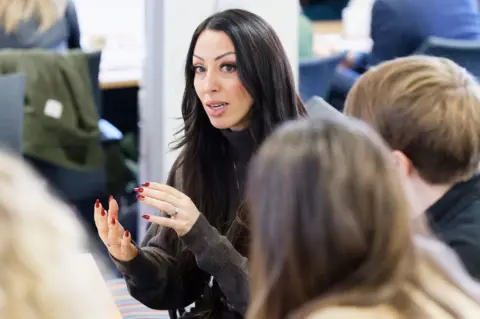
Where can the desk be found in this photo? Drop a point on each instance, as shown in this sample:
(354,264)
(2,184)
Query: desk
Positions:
(94,281)
(121,68)
(328,27)
(120,79)
(330,40)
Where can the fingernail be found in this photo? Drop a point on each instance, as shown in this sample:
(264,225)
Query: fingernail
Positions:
(145,216)
(110,198)
(97,203)
(138,190)
(146,184)
(127,233)
(113,221)
(104,212)
(140,197)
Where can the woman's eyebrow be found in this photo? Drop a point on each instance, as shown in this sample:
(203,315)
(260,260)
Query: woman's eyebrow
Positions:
(217,58)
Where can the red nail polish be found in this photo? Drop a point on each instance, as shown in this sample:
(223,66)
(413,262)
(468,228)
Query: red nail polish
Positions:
(113,221)
(103,213)
(127,233)
(138,190)
(140,197)
(146,184)
(146,217)
(110,198)
(97,203)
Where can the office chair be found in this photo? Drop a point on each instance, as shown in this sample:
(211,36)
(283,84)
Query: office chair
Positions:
(316,75)
(12,97)
(317,107)
(465,53)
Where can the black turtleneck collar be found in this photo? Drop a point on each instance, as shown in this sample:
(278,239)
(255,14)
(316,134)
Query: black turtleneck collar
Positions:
(242,143)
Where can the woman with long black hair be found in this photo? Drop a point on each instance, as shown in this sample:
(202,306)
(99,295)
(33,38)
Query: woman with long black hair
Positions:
(239,87)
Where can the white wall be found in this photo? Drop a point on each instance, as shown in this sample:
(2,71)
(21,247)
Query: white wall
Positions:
(121,23)
(111,16)
(169,27)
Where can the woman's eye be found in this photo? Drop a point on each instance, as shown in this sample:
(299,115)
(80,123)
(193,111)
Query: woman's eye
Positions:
(198,68)
(229,68)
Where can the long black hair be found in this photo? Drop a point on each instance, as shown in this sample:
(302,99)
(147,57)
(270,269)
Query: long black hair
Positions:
(204,164)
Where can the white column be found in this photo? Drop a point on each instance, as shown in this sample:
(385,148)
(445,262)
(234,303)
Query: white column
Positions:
(169,27)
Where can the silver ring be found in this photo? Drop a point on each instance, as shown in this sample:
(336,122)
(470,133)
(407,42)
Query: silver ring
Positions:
(174,213)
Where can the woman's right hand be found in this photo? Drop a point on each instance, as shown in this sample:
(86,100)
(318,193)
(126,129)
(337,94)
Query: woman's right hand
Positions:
(113,235)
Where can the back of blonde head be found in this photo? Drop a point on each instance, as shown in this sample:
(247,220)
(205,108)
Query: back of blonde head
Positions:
(12,12)
(40,239)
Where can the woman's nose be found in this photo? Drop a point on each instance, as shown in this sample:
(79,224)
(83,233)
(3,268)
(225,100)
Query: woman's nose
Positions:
(211,82)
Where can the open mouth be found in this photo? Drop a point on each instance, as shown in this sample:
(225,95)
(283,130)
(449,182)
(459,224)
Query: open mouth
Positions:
(218,106)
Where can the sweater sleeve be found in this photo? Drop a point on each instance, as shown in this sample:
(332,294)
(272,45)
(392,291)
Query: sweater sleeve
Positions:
(216,256)
(154,279)
(154,276)
(390,31)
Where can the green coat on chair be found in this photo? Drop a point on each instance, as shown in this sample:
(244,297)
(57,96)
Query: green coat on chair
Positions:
(61,120)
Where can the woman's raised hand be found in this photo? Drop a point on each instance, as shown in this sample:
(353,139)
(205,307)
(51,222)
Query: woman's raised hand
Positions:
(182,211)
(117,239)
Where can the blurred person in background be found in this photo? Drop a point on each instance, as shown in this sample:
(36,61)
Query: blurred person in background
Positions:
(399,28)
(39,24)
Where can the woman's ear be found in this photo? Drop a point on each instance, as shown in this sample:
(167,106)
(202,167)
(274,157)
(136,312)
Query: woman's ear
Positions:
(403,163)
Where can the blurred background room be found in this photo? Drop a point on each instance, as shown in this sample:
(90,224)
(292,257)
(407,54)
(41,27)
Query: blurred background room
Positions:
(112,75)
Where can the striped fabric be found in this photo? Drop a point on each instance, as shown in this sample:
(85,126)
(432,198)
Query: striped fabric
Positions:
(129,307)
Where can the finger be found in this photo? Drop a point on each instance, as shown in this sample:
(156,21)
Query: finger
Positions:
(112,208)
(100,218)
(165,188)
(159,204)
(159,195)
(114,237)
(163,221)
(126,242)
(127,249)
(97,209)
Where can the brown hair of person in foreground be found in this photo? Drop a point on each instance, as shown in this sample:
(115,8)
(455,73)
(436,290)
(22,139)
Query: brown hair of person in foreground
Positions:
(332,235)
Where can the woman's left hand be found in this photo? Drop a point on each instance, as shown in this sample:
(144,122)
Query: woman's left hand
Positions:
(183,212)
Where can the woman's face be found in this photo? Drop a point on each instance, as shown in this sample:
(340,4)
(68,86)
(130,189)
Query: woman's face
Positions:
(223,96)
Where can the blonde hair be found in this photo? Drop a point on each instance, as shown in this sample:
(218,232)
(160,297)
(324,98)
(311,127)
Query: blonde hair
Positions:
(40,242)
(13,12)
(426,107)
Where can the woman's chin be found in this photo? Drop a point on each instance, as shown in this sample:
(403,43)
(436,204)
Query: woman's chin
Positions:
(223,124)
(220,124)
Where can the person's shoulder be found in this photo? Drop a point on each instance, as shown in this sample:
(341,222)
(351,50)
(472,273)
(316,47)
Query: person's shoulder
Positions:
(379,312)
(468,213)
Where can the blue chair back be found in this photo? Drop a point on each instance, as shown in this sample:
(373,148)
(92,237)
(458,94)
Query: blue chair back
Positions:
(12,98)
(316,75)
(317,107)
(463,52)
